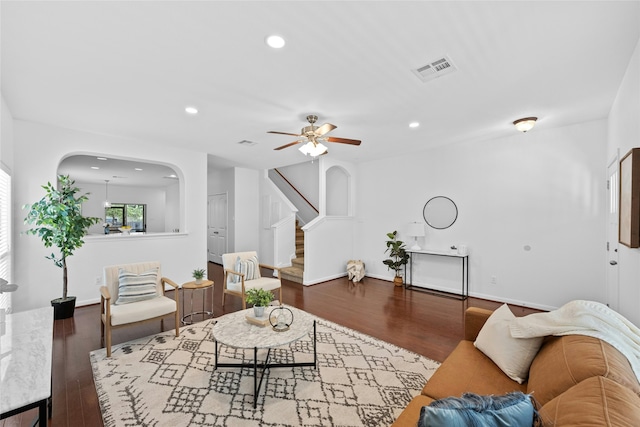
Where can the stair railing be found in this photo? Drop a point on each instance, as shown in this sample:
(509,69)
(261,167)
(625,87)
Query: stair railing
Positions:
(293,187)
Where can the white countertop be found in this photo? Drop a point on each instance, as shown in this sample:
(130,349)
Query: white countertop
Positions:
(26,341)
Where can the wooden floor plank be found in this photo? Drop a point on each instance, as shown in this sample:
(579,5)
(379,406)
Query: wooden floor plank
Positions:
(423,323)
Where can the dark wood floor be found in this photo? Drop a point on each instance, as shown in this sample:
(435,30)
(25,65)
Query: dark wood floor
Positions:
(426,324)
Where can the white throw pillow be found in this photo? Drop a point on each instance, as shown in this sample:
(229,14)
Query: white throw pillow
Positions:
(512,355)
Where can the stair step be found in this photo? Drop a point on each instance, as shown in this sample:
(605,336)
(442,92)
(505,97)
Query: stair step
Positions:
(299,252)
(298,262)
(293,274)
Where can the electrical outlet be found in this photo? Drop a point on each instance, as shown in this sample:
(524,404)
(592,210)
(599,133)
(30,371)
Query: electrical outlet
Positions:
(494,280)
(98,281)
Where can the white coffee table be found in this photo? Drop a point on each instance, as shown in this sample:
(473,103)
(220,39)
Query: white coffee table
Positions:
(233,330)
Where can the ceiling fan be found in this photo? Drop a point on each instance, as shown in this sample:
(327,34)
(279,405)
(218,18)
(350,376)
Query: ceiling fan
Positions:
(315,135)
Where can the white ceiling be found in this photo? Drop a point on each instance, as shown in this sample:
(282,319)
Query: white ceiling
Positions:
(130,68)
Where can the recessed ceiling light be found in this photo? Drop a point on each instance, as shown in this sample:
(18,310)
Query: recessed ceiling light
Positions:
(191,110)
(138,169)
(414,124)
(95,167)
(275,42)
(101,158)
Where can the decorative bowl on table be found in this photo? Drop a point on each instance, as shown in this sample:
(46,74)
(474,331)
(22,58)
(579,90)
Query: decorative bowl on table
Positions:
(125,229)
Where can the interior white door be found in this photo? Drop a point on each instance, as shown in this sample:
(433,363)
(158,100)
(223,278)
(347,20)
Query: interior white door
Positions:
(613,291)
(217,227)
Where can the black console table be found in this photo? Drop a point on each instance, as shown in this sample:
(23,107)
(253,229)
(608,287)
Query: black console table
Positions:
(464,260)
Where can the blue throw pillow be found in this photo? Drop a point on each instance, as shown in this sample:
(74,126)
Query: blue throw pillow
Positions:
(471,410)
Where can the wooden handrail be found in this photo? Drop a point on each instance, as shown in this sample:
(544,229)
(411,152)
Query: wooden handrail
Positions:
(296,190)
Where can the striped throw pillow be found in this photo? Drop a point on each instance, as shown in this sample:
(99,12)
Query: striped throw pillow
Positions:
(250,267)
(134,287)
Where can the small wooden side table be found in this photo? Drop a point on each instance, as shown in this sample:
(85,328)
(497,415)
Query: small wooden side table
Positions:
(192,286)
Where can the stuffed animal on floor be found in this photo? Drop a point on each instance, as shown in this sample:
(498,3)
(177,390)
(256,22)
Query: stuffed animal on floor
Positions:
(355,270)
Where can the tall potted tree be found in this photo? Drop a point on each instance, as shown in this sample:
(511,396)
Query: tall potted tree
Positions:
(398,256)
(58,221)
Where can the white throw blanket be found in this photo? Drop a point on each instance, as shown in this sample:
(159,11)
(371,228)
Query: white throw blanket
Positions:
(588,318)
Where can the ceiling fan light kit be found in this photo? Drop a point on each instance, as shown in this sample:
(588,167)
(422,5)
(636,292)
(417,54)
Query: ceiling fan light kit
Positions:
(313,136)
(313,150)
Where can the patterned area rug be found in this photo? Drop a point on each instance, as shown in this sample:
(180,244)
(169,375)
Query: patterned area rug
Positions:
(162,380)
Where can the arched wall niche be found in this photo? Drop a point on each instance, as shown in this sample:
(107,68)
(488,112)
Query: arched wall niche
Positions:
(338,191)
(160,187)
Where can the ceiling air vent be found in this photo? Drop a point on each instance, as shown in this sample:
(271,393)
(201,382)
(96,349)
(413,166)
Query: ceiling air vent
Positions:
(246,143)
(435,69)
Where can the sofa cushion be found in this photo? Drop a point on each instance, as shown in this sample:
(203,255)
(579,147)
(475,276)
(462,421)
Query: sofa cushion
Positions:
(513,409)
(596,401)
(565,361)
(467,369)
(512,355)
(410,414)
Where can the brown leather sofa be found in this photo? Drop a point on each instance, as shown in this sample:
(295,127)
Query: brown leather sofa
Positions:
(576,380)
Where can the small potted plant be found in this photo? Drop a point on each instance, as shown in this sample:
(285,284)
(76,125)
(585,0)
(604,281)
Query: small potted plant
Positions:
(260,299)
(398,256)
(198,274)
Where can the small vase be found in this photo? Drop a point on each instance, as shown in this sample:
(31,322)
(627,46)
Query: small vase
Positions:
(199,281)
(258,311)
(398,281)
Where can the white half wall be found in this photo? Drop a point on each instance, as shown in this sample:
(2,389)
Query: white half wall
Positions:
(531,211)
(38,151)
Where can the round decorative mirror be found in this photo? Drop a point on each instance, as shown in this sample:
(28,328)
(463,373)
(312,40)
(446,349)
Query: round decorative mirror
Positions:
(440,212)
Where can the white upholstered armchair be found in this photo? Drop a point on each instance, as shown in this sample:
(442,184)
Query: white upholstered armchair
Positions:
(242,272)
(134,293)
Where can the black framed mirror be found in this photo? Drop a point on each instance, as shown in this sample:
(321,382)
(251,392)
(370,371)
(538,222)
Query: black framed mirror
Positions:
(440,212)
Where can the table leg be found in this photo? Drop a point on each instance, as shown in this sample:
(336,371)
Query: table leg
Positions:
(255,377)
(42,413)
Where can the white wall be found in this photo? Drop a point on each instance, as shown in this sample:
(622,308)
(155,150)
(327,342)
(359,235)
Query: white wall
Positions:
(172,208)
(544,189)
(6,163)
(624,134)
(40,280)
(305,178)
(6,135)
(246,219)
(274,207)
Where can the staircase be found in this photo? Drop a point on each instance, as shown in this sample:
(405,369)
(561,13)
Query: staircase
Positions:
(296,271)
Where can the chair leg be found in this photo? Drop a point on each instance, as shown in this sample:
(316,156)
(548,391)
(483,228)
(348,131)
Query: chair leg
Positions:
(108,333)
(162,325)
(281,295)
(101,331)
(177,323)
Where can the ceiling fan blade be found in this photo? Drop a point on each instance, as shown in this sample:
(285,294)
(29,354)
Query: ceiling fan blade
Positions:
(343,140)
(288,145)
(284,133)
(325,128)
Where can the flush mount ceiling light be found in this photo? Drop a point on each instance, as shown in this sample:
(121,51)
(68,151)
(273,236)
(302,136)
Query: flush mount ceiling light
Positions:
(414,124)
(525,124)
(191,110)
(275,42)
